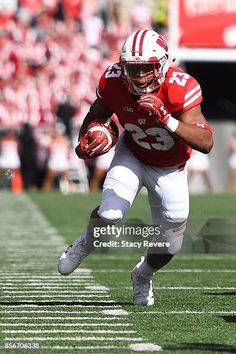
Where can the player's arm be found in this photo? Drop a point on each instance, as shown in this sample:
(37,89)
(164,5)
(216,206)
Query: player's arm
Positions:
(97,110)
(191,127)
(194,130)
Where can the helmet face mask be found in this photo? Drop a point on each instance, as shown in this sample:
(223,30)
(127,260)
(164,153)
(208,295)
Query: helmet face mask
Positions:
(144,62)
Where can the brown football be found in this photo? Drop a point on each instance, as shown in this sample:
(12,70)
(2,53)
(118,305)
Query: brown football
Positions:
(105,130)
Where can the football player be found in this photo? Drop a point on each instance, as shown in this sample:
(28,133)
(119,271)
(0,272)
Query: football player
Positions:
(159,108)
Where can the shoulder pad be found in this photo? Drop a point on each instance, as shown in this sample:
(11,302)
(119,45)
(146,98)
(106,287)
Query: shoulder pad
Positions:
(113,71)
(183,90)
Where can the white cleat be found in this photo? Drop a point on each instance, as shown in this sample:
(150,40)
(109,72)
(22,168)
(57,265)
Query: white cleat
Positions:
(72,257)
(142,288)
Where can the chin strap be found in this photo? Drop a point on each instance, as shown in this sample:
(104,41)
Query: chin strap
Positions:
(203,126)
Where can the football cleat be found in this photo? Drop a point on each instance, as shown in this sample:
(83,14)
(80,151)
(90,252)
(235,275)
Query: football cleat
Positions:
(142,287)
(72,257)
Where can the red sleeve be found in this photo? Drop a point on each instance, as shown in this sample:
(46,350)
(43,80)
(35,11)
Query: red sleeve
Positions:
(109,84)
(193,94)
(184,92)
(101,86)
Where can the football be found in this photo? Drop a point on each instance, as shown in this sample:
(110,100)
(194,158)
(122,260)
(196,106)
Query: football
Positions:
(104,130)
(100,137)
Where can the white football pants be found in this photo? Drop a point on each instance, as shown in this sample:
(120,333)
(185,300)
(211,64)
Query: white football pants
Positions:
(167,192)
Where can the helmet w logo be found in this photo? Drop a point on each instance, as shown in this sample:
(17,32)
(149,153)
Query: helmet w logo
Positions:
(162,43)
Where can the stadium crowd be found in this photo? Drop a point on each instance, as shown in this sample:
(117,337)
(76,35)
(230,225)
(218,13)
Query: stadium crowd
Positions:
(52,55)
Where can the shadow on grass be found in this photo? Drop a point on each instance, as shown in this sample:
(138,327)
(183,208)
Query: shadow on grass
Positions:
(225,293)
(216,348)
(230,319)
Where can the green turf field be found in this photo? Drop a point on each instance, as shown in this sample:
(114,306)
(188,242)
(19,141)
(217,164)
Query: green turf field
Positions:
(91,311)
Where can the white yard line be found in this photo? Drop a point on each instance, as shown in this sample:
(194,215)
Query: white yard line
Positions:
(52,291)
(49,304)
(30,287)
(88,324)
(65,312)
(185,312)
(53,277)
(93,338)
(195,288)
(186,288)
(86,272)
(40,282)
(156,287)
(60,318)
(90,347)
(77,296)
(81,347)
(198,271)
(73,331)
(111,312)
(84,276)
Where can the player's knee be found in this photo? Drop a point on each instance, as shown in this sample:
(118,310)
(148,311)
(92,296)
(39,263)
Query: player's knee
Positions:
(111,215)
(176,213)
(113,208)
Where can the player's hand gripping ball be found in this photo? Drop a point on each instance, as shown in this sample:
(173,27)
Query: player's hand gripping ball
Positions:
(100,137)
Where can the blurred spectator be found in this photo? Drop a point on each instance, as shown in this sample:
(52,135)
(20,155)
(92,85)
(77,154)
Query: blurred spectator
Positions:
(198,164)
(160,18)
(33,7)
(8,7)
(28,156)
(9,158)
(115,31)
(140,16)
(232,165)
(72,9)
(65,112)
(93,28)
(58,160)
(43,140)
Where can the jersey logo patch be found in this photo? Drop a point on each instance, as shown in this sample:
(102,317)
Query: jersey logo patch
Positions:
(127,109)
(142,121)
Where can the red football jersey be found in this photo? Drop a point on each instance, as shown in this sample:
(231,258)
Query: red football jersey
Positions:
(149,141)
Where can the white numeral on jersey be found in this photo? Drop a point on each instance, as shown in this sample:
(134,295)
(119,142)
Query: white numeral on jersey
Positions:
(113,71)
(163,139)
(179,78)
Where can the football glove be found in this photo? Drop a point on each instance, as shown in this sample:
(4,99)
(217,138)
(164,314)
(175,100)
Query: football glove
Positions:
(156,106)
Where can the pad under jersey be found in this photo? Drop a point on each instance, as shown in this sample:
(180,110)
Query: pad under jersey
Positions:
(148,140)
